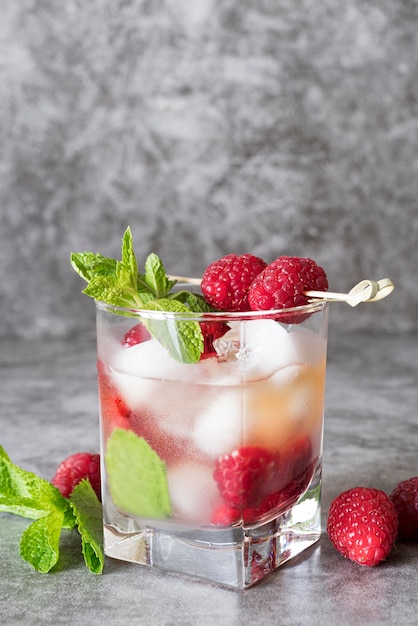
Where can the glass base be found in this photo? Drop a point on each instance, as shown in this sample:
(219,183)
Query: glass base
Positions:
(237,557)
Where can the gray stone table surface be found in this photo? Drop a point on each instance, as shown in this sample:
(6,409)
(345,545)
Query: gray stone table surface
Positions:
(49,410)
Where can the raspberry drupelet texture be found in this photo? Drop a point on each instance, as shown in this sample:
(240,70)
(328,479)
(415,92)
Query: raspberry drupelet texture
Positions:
(76,467)
(245,475)
(225,282)
(362,525)
(405,499)
(282,284)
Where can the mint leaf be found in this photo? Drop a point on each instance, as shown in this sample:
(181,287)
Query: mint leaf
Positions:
(109,289)
(39,545)
(183,339)
(88,265)
(88,514)
(194,301)
(127,268)
(26,494)
(156,277)
(3,454)
(136,476)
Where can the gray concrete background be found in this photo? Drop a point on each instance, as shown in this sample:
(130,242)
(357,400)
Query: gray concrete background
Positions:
(264,126)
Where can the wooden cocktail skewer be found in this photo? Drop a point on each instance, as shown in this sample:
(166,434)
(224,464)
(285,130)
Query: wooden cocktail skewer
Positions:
(185,279)
(364,291)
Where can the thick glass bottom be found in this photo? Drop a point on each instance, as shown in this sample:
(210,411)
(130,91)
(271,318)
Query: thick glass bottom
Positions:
(236,557)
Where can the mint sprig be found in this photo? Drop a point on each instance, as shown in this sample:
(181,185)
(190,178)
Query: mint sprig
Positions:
(28,495)
(120,284)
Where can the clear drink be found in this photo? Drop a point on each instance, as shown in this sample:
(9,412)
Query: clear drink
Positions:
(212,469)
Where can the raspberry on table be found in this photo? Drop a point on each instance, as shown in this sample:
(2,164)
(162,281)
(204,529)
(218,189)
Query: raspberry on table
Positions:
(246,475)
(281,285)
(76,467)
(362,525)
(225,282)
(405,499)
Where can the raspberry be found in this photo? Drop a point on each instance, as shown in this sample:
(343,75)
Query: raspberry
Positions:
(281,284)
(362,525)
(245,475)
(405,499)
(137,334)
(225,283)
(225,515)
(76,467)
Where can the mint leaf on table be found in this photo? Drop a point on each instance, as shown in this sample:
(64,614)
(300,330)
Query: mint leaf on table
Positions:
(28,495)
(136,476)
(39,544)
(120,284)
(88,516)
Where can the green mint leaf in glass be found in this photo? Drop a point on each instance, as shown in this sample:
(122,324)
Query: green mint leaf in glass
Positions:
(88,514)
(136,476)
(39,544)
(183,338)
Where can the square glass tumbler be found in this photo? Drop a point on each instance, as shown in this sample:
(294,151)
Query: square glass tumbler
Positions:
(211,467)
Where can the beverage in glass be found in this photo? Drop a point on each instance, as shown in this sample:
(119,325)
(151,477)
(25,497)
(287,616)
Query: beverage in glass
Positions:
(212,469)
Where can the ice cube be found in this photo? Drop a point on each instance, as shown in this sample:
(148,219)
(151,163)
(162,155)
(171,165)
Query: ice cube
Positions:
(193,491)
(253,348)
(256,349)
(307,347)
(135,372)
(219,429)
(148,359)
(136,392)
(139,370)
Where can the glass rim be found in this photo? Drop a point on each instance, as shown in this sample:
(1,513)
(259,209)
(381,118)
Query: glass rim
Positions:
(306,309)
